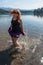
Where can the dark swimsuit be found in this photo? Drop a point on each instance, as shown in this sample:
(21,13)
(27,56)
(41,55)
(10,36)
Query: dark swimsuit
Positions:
(16,31)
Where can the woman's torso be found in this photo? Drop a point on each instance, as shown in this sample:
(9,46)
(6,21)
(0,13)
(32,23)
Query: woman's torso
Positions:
(15,26)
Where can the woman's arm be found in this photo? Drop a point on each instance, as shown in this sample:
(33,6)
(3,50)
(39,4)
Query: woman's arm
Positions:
(10,26)
(21,26)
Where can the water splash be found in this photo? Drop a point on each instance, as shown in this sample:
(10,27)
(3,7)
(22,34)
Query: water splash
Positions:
(41,60)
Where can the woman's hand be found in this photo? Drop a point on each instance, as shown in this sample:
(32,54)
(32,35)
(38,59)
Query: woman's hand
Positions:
(23,33)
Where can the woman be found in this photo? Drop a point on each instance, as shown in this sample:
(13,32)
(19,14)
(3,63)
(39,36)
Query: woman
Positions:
(16,27)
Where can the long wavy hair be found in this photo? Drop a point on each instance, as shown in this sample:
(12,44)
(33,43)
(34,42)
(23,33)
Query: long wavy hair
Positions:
(16,11)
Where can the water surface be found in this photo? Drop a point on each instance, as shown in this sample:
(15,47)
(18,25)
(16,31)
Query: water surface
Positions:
(33,41)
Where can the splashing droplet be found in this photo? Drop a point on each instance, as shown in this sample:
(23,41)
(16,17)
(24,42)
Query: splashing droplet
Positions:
(41,60)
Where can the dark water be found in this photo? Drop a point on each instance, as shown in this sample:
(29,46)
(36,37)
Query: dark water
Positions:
(33,41)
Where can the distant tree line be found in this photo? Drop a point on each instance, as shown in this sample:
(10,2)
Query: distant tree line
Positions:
(3,11)
(23,12)
(38,12)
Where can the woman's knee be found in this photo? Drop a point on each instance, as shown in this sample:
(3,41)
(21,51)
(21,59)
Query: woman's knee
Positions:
(14,39)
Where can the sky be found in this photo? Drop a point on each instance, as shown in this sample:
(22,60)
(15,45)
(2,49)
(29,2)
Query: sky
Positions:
(22,4)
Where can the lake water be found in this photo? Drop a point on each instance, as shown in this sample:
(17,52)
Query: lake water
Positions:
(33,41)
(33,25)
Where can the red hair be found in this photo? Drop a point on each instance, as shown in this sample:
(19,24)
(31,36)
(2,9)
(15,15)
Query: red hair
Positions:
(16,11)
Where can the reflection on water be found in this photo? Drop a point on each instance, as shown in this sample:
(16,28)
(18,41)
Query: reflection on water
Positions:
(33,41)
(38,15)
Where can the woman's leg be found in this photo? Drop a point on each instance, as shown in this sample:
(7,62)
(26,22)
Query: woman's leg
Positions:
(15,42)
(14,39)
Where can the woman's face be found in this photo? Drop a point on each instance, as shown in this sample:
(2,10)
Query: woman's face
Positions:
(15,15)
